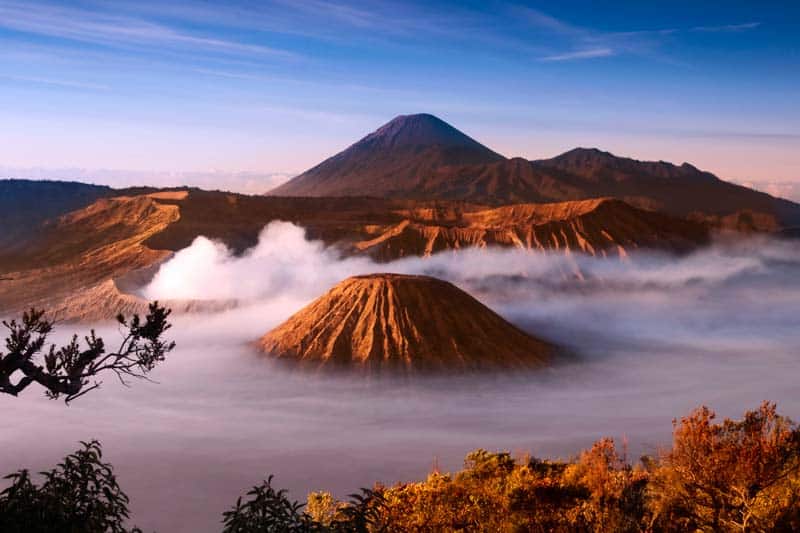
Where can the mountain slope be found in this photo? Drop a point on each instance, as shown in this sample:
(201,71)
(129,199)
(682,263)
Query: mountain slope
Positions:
(393,161)
(407,324)
(681,190)
(25,204)
(87,247)
(596,227)
(422,157)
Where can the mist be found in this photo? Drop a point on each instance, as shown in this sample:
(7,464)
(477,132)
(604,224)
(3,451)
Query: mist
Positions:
(653,336)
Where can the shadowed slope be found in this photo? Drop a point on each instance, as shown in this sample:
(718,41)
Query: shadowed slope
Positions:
(26,204)
(393,161)
(422,157)
(680,190)
(392,322)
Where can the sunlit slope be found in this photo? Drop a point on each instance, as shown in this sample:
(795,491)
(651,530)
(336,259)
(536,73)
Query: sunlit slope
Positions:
(595,227)
(85,248)
(86,262)
(388,229)
(391,322)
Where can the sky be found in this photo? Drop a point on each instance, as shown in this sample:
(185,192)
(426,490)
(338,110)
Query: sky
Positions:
(244,94)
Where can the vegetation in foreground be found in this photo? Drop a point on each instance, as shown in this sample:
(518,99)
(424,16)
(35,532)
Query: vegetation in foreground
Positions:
(734,475)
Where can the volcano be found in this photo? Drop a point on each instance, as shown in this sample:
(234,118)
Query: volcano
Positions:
(392,161)
(404,324)
(421,157)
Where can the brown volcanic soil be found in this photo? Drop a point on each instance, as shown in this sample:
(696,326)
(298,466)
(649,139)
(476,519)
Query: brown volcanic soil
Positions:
(68,265)
(595,227)
(86,248)
(387,229)
(407,324)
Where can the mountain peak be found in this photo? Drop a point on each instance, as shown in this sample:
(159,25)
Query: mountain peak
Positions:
(394,160)
(586,154)
(594,159)
(421,129)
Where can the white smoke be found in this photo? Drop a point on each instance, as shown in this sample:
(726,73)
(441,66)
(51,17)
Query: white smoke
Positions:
(283,262)
(648,295)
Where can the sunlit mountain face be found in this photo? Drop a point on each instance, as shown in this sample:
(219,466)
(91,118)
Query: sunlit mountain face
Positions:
(382,236)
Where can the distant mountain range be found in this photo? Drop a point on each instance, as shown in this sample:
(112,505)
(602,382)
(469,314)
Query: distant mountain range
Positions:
(423,157)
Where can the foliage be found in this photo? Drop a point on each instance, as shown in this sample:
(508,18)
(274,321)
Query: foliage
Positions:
(72,371)
(736,476)
(270,510)
(323,507)
(730,476)
(267,509)
(497,493)
(80,495)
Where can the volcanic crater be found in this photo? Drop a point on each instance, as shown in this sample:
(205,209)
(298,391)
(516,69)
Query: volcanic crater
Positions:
(403,324)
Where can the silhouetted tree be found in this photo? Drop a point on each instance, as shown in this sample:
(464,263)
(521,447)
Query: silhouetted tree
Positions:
(267,509)
(270,510)
(80,495)
(70,370)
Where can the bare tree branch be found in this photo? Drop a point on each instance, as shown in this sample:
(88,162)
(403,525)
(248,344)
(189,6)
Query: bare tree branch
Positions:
(68,370)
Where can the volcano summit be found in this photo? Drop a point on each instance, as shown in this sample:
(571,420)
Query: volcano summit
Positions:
(392,161)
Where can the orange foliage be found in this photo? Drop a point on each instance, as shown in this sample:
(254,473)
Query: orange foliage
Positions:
(735,476)
(729,476)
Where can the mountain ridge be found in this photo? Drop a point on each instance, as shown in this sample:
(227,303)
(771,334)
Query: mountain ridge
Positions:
(401,160)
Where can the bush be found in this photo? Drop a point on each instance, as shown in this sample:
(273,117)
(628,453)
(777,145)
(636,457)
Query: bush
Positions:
(734,475)
(729,476)
(80,495)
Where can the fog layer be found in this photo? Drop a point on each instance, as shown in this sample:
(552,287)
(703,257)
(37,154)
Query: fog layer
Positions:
(653,336)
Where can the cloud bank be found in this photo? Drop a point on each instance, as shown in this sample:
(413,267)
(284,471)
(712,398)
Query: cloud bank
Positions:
(655,336)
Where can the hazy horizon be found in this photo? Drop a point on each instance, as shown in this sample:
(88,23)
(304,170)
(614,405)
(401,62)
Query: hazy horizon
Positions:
(252,182)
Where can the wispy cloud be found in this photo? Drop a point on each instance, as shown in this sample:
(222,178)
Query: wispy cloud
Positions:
(728,27)
(581,54)
(104,29)
(57,82)
(547,22)
(587,43)
(340,11)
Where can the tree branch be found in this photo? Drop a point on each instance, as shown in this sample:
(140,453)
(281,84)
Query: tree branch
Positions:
(69,369)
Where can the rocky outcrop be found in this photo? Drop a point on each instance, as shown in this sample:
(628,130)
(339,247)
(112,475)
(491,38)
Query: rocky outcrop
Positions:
(595,227)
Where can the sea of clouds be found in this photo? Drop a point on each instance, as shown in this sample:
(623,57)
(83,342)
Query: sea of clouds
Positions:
(653,336)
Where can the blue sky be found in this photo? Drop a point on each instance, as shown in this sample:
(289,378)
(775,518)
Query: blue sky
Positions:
(274,87)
